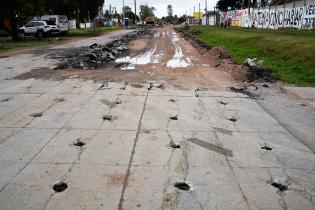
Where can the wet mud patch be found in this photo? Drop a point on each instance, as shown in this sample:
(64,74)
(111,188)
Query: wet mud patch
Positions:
(266,147)
(39,114)
(182,186)
(6,99)
(233,119)
(60,186)
(198,76)
(175,145)
(79,143)
(58,100)
(249,90)
(211,147)
(109,117)
(174,117)
(281,184)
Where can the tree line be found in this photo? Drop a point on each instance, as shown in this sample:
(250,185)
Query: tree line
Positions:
(21,11)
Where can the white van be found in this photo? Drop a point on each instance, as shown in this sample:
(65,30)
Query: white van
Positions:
(60,20)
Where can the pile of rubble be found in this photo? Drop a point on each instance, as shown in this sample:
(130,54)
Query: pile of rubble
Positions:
(257,71)
(97,55)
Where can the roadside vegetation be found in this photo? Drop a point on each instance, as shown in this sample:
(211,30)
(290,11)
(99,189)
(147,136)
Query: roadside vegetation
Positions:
(289,53)
(9,45)
(90,31)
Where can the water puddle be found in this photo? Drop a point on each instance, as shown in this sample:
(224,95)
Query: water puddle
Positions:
(142,59)
(178,60)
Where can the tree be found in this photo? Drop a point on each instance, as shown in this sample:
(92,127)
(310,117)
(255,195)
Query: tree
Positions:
(169,10)
(181,19)
(89,9)
(20,11)
(62,7)
(146,11)
(129,13)
(169,17)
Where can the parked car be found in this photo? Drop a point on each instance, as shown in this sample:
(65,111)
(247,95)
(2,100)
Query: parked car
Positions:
(141,23)
(39,29)
(61,21)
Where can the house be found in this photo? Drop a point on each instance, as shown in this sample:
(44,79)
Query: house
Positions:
(211,18)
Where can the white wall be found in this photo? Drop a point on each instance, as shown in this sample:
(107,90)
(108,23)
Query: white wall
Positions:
(300,14)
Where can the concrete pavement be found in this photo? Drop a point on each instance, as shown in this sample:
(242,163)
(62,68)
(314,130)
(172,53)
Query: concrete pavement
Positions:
(81,144)
(128,162)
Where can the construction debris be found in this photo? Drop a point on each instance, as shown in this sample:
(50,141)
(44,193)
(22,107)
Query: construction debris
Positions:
(97,55)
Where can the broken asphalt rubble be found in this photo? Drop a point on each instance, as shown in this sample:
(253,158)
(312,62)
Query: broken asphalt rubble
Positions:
(257,72)
(97,55)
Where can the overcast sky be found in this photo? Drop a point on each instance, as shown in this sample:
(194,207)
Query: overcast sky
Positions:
(179,6)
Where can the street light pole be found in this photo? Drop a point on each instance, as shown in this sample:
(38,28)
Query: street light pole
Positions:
(123,10)
(206,15)
(199,14)
(135,10)
(249,26)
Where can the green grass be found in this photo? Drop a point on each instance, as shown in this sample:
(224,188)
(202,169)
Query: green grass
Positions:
(8,45)
(91,32)
(289,53)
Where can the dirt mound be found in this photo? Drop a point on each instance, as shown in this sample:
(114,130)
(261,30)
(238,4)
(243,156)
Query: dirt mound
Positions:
(257,73)
(221,59)
(220,52)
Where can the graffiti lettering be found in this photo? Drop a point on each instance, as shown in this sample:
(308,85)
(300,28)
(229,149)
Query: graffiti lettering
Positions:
(273,17)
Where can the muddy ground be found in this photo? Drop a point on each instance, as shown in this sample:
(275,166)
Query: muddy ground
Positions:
(154,51)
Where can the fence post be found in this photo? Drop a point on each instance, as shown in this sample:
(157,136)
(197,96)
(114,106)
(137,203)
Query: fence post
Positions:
(269,18)
(284,13)
(275,18)
(293,9)
(303,13)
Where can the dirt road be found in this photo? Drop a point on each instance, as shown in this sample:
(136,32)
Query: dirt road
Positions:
(160,56)
(156,128)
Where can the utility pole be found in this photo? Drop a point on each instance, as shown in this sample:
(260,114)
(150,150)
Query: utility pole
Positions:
(199,14)
(206,15)
(135,11)
(249,26)
(123,11)
(194,22)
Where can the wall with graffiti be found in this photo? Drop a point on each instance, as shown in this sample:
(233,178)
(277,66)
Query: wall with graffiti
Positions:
(299,14)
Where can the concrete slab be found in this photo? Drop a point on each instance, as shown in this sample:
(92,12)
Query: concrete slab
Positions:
(128,162)
(109,147)
(99,188)
(305,93)
(31,86)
